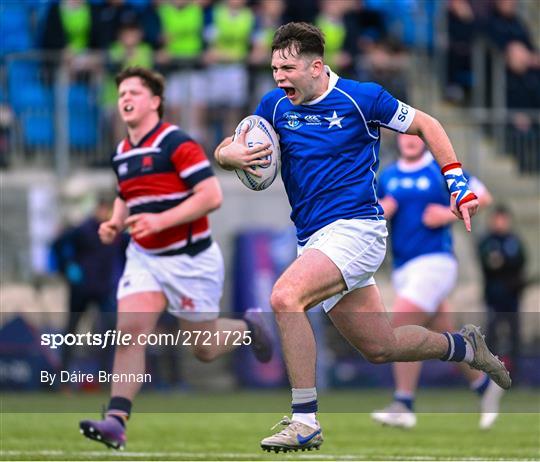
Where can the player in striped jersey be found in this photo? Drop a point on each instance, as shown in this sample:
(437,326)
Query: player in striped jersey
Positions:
(166,189)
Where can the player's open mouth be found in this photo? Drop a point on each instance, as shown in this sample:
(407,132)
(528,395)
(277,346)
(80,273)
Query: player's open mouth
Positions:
(290,92)
(128,108)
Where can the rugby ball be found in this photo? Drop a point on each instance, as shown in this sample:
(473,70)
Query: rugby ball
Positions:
(259,131)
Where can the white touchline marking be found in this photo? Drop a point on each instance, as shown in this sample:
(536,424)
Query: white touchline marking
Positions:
(236,455)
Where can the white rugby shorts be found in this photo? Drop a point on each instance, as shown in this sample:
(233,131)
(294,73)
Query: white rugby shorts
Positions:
(357,247)
(426,280)
(192,285)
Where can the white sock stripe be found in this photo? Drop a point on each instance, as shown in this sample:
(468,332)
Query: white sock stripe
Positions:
(451,345)
(454,171)
(303,395)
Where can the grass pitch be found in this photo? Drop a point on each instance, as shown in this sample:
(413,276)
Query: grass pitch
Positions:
(227,435)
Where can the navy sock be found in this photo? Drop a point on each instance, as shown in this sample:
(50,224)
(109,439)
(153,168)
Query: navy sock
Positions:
(482,385)
(119,409)
(456,347)
(305,408)
(406,399)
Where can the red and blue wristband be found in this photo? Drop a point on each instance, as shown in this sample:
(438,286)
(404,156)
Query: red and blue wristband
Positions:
(457,184)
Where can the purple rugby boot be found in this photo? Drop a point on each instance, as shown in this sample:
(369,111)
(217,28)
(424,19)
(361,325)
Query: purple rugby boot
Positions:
(108,431)
(261,338)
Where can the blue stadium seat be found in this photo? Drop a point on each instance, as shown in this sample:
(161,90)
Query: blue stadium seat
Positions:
(38,129)
(34,95)
(83,130)
(15,27)
(83,116)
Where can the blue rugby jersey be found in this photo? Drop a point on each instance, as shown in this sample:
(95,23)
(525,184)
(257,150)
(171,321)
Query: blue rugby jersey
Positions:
(414,188)
(330,150)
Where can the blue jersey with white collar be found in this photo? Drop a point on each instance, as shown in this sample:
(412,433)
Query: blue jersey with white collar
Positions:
(330,150)
(414,188)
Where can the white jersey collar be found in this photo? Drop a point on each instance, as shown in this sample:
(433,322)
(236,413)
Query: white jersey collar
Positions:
(331,84)
(419,164)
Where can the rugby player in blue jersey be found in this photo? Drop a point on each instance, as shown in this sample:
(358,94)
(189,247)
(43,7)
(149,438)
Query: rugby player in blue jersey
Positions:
(416,201)
(329,131)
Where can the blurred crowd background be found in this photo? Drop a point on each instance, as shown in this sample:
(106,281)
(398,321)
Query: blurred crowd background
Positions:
(475,65)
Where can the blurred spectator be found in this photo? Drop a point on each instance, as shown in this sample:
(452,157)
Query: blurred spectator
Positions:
(91,270)
(462,27)
(522,94)
(364,28)
(504,25)
(502,257)
(269,16)
(68,28)
(182,27)
(128,50)
(230,36)
(109,16)
(332,24)
(386,64)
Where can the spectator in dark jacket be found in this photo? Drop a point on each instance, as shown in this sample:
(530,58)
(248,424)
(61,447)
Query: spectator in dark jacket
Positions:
(91,270)
(502,257)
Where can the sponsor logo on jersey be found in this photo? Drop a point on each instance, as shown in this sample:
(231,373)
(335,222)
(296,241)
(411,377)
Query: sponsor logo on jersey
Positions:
(123,169)
(312,120)
(293,120)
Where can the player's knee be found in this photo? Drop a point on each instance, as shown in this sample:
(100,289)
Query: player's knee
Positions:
(283,300)
(132,325)
(378,354)
(204,353)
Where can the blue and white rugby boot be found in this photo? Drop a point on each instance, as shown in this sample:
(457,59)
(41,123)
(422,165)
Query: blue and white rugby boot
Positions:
(261,338)
(295,436)
(108,431)
(485,360)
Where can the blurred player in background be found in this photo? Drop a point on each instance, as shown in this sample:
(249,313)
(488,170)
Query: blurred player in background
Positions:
(166,188)
(329,132)
(415,199)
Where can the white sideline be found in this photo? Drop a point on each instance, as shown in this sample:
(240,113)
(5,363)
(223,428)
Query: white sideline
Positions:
(235,455)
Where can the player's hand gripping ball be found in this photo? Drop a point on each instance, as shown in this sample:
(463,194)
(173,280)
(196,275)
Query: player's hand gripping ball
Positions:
(260,132)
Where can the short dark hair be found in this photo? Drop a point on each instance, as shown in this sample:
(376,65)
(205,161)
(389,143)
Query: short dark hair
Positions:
(300,38)
(150,79)
(501,209)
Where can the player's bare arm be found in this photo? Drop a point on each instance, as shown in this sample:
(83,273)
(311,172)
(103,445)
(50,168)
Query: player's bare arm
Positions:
(108,230)
(433,134)
(231,154)
(206,198)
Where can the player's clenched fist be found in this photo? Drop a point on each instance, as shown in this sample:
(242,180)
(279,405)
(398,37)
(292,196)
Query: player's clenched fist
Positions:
(108,230)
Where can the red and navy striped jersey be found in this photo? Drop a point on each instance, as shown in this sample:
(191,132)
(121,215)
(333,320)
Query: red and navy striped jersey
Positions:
(158,174)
